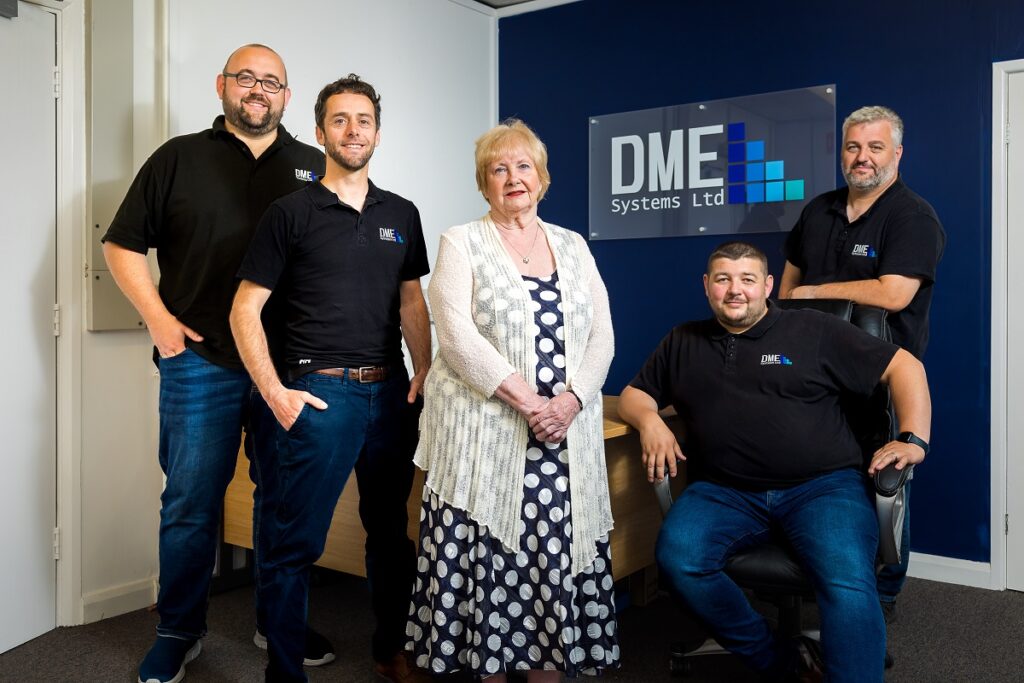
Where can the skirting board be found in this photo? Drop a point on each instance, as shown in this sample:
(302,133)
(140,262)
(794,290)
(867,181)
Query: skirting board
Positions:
(951,570)
(110,602)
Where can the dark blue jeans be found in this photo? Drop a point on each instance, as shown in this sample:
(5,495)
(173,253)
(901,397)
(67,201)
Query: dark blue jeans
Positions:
(368,427)
(203,408)
(892,576)
(831,525)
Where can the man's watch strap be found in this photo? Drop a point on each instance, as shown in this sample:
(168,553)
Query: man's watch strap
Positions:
(911,437)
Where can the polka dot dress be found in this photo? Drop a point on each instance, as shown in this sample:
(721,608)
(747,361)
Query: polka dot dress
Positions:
(480,606)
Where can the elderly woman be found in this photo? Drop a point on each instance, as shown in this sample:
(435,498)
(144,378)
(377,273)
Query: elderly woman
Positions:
(514,569)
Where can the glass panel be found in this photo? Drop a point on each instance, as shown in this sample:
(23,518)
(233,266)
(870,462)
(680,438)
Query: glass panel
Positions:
(683,170)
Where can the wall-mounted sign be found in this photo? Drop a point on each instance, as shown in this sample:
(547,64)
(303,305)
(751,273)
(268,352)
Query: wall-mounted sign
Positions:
(744,164)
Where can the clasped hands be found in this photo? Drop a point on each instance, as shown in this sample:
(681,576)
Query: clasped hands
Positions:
(550,419)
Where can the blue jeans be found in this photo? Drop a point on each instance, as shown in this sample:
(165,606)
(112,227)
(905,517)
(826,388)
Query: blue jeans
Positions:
(831,525)
(892,576)
(203,408)
(368,427)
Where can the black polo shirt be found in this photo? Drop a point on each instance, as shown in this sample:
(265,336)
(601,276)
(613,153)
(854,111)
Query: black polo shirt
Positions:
(338,273)
(197,201)
(761,409)
(899,235)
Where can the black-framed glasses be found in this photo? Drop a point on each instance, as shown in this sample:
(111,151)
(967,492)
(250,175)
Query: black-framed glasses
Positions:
(269,85)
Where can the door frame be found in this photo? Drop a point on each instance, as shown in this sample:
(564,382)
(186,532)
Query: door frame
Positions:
(71,230)
(1000,316)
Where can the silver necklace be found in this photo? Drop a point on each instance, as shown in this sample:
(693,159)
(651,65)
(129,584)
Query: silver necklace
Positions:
(525,258)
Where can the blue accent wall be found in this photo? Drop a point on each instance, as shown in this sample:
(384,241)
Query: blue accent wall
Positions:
(931,62)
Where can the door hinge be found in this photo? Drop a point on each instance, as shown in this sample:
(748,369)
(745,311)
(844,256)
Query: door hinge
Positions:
(1006,524)
(56,82)
(56,320)
(56,542)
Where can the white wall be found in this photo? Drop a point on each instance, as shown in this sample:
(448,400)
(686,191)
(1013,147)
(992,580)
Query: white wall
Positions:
(433,61)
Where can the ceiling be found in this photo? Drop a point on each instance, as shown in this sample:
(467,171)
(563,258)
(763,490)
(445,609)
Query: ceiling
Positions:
(498,4)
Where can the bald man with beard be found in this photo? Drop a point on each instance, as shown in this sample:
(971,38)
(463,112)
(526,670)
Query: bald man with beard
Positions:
(197,201)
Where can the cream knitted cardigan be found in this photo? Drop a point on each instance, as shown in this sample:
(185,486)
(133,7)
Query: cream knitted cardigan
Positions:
(473,445)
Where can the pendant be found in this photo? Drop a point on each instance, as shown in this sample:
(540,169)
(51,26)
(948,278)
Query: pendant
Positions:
(526,259)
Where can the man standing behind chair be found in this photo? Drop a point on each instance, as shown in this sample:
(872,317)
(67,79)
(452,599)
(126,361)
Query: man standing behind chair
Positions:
(346,258)
(197,200)
(874,242)
(768,447)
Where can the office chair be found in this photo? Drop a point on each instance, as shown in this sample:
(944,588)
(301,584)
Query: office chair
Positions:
(770,570)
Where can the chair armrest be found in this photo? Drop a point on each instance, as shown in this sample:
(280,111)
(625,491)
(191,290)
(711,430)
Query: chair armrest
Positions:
(889,507)
(663,490)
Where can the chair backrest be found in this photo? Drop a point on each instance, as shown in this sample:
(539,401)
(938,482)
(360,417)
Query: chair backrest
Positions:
(871,419)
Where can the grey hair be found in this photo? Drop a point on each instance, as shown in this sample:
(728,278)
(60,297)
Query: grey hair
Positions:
(876,113)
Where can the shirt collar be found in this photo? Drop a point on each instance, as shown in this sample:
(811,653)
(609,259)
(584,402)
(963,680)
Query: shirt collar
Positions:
(283,136)
(755,332)
(323,198)
(843,196)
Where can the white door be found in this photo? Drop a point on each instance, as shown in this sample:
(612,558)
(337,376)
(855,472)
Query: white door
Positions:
(28,364)
(1015,334)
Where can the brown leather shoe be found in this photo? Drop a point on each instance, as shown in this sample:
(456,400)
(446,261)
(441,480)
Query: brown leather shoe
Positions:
(399,670)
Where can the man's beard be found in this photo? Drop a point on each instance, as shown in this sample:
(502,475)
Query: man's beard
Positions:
(336,152)
(880,177)
(250,123)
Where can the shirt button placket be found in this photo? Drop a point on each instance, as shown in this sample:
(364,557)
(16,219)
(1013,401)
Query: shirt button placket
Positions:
(730,353)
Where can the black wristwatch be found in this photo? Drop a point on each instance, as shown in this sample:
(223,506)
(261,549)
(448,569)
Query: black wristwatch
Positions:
(911,437)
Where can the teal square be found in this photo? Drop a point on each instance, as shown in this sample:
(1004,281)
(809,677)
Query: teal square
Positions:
(773,192)
(773,170)
(794,189)
(755,172)
(755,150)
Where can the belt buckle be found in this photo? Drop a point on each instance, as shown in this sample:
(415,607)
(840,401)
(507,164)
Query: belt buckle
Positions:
(366,368)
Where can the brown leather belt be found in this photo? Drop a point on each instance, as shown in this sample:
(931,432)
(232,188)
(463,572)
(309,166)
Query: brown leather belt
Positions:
(363,375)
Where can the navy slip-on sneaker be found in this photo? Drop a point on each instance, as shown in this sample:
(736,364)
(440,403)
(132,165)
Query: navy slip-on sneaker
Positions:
(166,660)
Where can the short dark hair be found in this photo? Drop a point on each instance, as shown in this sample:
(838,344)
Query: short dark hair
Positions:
(349,84)
(734,251)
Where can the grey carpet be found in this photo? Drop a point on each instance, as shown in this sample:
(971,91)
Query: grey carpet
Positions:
(942,633)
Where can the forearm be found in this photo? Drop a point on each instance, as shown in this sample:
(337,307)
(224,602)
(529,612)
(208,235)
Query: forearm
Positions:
(131,273)
(891,292)
(251,340)
(791,277)
(515,391)
(908,387)
(638,408)
(416,328)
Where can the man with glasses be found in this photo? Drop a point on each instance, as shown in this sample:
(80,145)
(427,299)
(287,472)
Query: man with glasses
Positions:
(874,242)
(197,201)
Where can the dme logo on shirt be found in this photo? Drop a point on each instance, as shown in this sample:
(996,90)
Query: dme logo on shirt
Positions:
(391,235)
(308,176)
(863,250)
(775,359)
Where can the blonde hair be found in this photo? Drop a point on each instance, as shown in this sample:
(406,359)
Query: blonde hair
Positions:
(508,135)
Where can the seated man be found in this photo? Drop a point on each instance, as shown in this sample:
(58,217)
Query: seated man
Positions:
(768,449)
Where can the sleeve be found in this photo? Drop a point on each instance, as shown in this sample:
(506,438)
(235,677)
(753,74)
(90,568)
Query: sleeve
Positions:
(462,347)
(912,246)
(267,255)
(653,378)
(854,359)
(137,223)
(416,264)
(597,357)
(793,249)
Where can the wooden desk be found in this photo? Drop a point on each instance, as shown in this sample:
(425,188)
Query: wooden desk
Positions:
(634,508)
